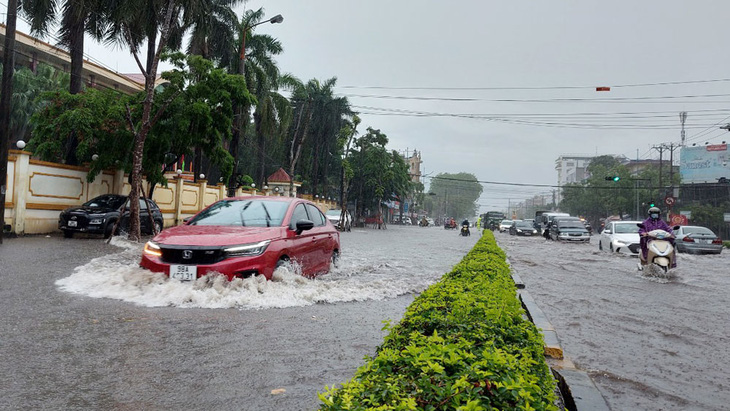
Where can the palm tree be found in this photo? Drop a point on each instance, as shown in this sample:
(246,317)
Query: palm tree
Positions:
(76,19)
(212,26)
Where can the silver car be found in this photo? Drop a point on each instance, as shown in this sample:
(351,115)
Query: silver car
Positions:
(695,239)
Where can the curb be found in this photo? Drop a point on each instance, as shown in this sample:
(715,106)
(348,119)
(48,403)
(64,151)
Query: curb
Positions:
(576,387)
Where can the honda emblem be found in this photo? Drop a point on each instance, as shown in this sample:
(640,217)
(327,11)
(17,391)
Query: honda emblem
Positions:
(187,254)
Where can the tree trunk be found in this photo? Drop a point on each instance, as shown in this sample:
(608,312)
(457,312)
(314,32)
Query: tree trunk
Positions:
(76,49)
(261,155)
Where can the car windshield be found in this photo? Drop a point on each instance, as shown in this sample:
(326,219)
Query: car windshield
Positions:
(697,230)
(333,213)
(626,228)
(106,202)
(245,213)
(523,224)
(506,222)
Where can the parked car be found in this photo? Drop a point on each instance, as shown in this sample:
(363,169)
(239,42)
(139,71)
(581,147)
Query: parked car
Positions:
(504,225)
(569,230)
(245,236)
(522,228)
(620,236)
(695,239)
(98,216)
(334,217)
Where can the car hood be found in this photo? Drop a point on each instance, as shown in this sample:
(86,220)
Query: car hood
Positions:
(627,237)
(199,235)
(89,210)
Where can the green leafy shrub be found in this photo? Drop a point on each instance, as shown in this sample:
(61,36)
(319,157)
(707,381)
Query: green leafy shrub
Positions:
(726,244)
(463,344)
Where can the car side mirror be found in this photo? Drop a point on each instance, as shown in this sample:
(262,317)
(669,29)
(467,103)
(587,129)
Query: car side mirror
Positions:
(186,219)
(607,231)
(676,227)
(304,225)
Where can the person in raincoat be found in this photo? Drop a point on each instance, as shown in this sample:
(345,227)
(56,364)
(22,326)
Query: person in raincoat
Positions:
(654,222)
(479,224)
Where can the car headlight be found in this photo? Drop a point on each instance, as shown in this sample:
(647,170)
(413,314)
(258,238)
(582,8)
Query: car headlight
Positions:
(247,250)
(519,231)
(97,221)
(619,242)
(151,248)
(534,231)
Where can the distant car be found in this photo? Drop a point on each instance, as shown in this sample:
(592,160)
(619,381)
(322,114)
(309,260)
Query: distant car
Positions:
(504,225)
(98,216)
(569,230)
(246,236)
(334,217)
(695,239)
(522,228)
(430,221)
(620,236)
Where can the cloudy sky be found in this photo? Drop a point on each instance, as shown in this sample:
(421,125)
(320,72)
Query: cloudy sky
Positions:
(501,89)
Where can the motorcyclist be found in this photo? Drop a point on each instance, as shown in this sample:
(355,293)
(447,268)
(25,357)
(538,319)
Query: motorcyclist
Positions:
(465,223)
(654,222)
(424,222)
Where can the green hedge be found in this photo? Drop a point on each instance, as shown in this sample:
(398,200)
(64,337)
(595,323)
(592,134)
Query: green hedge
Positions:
(726,244)
(463,344)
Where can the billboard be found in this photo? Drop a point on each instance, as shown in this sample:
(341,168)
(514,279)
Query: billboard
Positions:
(704,164)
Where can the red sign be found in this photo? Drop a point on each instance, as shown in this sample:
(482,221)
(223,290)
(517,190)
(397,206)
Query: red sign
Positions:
(678,219)
(717,147)
(669,200)
(603,88)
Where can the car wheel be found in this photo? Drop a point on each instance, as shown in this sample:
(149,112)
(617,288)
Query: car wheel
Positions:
(158,227)
(600,245)
(282,261)
(68,234)
(108,229)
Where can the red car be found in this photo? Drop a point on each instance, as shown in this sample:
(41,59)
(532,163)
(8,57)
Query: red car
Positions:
(244,236)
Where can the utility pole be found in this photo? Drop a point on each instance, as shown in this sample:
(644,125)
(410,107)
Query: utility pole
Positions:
(682,119)
(6,92)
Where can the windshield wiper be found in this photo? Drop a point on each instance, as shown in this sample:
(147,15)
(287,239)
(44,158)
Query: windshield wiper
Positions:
(268,216)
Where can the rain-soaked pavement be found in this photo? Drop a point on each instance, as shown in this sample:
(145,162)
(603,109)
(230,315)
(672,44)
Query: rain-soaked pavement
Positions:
(649,343)
(83,327)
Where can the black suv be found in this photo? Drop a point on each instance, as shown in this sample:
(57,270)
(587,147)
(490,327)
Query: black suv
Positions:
(98,216)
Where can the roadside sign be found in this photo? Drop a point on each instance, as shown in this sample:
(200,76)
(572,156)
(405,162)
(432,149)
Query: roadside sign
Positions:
(687,214)
(726,217)
(669,200)
(678,219)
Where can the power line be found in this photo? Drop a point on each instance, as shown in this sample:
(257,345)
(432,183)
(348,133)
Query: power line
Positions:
(641,99)
(664,83)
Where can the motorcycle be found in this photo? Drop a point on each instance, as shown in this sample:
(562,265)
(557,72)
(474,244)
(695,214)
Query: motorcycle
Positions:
(465,230)
(660,250)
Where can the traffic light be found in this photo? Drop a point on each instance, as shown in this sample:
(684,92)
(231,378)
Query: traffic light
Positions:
(651,204)
(612,178)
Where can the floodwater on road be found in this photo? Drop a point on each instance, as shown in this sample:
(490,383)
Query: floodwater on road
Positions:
(649,342)
(84,327)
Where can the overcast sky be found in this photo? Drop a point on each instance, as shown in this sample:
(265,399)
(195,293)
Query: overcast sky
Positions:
(501,89)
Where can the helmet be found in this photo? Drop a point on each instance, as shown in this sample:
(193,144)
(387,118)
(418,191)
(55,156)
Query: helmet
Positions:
(655,210)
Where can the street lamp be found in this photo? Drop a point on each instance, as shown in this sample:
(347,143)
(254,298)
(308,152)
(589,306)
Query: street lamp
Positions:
(276,19)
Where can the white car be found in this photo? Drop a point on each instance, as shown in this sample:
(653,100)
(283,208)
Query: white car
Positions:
(504,225)
(334,217)
(620,236)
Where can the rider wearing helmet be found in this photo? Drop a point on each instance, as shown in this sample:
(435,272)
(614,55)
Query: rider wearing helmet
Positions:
(654,222)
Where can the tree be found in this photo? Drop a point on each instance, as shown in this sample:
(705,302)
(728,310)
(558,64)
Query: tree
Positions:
(142,22)
(456,194)
(212,26)
(76,19)
(27,90)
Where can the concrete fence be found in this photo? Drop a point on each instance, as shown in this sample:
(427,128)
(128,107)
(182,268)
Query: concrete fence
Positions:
(37,191)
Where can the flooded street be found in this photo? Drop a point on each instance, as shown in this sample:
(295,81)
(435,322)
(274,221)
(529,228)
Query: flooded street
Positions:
(649,343)
(83,327)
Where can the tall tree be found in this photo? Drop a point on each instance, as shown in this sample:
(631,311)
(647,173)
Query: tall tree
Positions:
(76,19)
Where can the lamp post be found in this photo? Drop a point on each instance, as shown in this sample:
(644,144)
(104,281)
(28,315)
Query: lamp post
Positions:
(240,120)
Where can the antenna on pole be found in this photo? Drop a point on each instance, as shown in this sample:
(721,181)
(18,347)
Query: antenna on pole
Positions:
(683,118)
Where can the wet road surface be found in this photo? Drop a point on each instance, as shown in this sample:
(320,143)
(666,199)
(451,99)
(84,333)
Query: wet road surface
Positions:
(83,327)
(649,343)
